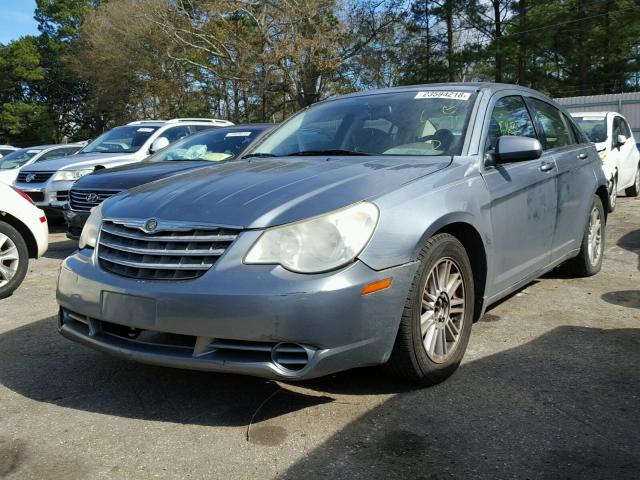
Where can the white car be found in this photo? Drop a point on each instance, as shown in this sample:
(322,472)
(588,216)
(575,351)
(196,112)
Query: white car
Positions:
(48,183)
(617,149)
(5,149)
(13,161)
(23,234)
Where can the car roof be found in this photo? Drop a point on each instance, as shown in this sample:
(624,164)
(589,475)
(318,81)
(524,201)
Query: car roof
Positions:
(490,87)
(181,121)
(592,114)
(53,145)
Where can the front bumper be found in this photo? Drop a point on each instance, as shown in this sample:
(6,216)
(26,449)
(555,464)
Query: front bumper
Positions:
(51,195)
(75,222)
(236,317)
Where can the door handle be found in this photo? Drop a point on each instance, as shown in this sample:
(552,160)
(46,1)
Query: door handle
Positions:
(583,156)
(546,166)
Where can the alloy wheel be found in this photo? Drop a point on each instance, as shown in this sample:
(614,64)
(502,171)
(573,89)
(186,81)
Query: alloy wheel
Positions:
(595,236)
(613,193)
(442,312)
(9,259)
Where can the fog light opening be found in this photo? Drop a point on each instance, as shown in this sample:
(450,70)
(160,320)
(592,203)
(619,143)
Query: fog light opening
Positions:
(289,356)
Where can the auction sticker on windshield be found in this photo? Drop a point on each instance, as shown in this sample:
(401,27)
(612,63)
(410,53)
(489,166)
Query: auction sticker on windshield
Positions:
(441,94)
(145,129)
(238,134)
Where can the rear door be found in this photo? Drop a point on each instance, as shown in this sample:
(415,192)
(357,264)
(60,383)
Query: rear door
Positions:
(574,175)
(523,198)
(627,153)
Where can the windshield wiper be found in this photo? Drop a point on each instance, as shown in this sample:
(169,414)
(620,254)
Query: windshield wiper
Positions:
(327,152)
(259,155)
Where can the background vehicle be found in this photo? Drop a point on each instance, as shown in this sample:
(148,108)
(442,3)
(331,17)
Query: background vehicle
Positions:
(617,149)
(5,149)
(368,229)
(11,163)
(196,151)
(23,235)
(48,184)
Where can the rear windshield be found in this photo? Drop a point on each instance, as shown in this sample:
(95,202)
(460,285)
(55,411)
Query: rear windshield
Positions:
(128,139)
(17,158)
(594,127)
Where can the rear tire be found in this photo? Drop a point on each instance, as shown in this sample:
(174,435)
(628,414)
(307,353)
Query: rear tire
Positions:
(613,193)
(634,190)
(14,259)
(589,260)
(436,321)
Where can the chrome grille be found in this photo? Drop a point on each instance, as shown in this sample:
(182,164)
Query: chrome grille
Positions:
(35,177)
(85,200)
(178,254)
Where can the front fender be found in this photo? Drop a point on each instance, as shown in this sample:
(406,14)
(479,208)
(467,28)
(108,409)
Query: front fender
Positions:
(413,213)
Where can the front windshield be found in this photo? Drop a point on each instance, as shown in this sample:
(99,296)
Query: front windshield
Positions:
(211,145)
(594,127)
(128,139)
(429,122)
(17,158)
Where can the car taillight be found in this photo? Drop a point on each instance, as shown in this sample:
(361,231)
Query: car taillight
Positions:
(24,195)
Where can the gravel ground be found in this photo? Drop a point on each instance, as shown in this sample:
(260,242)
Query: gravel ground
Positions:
(550,388)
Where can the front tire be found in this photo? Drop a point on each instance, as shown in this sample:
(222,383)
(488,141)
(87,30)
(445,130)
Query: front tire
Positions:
(436,322)
(589,260)
(634,190)
(14,259)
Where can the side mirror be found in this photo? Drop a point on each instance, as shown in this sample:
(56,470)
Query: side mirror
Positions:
(158,144)
(620,140)
(517,149)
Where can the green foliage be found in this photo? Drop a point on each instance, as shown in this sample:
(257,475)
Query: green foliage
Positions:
(97,63)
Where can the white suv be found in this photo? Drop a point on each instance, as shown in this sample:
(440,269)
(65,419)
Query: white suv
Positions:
(23,235)
(617,149)
(48,183)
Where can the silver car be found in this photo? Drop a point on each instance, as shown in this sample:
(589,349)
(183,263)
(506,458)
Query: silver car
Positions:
(369,229)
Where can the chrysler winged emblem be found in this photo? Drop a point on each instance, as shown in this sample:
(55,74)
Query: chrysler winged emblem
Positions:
(151,225)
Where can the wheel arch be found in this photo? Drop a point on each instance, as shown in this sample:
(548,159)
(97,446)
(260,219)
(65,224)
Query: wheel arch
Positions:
(30,240)
(462,227)
(603,194)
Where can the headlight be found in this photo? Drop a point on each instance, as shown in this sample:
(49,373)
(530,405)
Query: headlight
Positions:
(89,235)
(603,154)
(318,244)
(71,175)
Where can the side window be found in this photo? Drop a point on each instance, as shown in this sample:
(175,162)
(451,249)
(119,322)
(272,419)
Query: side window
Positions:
(576,135)
(620,127)
(175,133)
(509,117)
(555,130)
(627,130)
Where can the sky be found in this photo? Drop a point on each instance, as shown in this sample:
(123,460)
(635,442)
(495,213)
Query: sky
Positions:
(16,19)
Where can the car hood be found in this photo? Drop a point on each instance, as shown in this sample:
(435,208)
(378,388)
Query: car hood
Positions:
(75,162)
(134,174)
(259,193)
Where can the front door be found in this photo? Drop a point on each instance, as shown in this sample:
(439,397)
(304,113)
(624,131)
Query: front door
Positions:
(523,200)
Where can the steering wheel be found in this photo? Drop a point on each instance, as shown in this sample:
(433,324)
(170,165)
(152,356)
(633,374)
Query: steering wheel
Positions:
(441,140)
